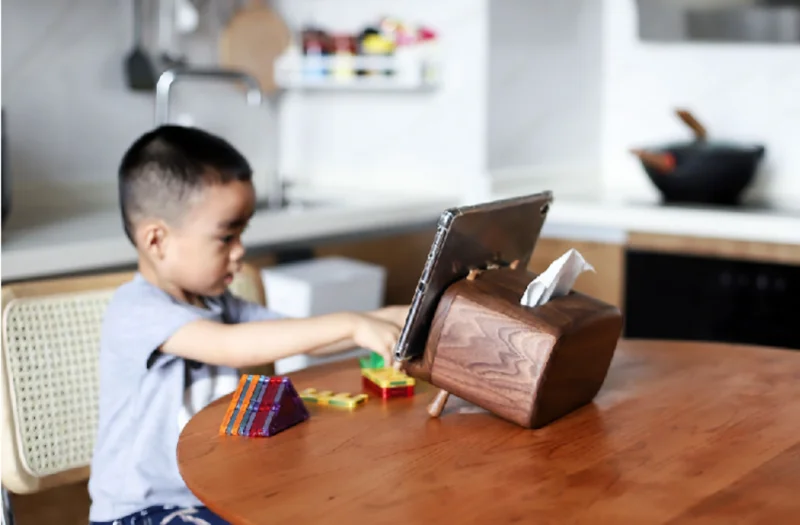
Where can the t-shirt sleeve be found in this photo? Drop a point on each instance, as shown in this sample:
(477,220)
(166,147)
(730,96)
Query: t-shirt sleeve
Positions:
(244,311)
(140,320)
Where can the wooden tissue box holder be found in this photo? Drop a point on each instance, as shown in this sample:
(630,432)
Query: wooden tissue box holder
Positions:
(528,365)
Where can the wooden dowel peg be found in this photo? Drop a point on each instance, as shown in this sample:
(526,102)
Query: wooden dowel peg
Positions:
(437,405)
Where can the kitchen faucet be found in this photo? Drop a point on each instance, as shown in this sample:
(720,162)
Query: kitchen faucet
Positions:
(170,76)
(253,96)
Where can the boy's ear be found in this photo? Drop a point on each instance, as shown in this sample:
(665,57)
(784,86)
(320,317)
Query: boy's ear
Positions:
(153,238)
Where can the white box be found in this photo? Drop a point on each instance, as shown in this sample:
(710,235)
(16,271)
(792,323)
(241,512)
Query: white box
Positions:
(322,286)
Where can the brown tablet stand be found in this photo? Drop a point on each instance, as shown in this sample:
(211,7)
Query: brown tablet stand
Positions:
(528,365)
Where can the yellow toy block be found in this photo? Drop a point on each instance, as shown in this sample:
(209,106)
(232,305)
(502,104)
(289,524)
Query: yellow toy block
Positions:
(387,377)
(328,398)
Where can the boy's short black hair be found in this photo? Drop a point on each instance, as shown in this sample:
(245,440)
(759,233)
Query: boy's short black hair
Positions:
(166,165)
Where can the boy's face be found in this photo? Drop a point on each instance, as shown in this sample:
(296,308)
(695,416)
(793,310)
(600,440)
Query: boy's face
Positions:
(204,250)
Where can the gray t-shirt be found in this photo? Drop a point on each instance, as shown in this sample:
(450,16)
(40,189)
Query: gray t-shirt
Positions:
(146,397)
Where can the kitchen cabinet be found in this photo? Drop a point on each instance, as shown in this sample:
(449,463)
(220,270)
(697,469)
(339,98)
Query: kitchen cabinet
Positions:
(608,282)
(404,255)
(699,289)
(744,250)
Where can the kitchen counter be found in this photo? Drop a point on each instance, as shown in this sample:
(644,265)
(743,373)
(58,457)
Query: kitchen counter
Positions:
(583,211)
(611,217)
(53,242)
(60,241)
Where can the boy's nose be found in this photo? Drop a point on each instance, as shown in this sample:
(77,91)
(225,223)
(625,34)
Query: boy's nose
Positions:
(237,252)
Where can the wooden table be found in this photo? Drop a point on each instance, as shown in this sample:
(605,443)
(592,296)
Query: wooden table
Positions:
(680,433)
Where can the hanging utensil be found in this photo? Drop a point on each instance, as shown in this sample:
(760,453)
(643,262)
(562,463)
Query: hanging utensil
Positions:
(140,73)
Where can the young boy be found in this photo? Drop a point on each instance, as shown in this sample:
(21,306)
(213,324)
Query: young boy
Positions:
(174,336)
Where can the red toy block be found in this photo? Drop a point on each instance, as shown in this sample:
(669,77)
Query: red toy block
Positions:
(386,393)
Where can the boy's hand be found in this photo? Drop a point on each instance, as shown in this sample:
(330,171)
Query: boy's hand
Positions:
(393,314)
(376,334)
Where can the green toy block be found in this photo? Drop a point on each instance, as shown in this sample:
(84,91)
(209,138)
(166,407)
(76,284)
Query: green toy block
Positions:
(373,361)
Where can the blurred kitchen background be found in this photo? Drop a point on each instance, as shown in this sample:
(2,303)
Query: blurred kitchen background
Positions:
(664,128)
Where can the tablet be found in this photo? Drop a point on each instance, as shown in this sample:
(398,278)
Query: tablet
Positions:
(468,237)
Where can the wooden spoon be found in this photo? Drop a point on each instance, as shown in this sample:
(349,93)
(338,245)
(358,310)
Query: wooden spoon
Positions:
(698,129)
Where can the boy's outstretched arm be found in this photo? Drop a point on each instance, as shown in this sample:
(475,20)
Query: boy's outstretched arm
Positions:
(394,314)
(260,342)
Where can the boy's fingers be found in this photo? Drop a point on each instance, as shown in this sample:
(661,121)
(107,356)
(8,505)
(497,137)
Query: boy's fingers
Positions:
(389,357)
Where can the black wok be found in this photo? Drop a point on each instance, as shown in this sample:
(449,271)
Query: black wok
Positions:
(701,171)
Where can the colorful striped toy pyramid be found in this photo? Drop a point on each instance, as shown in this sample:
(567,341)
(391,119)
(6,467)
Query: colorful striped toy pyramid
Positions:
(263,406)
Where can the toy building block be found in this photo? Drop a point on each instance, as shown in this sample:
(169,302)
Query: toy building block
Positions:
(387,377)
(387,382)
(263,406)
(373,361)
(387,393)
(328,398)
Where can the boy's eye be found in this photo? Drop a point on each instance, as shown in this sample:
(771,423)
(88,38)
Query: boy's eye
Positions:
(231,237)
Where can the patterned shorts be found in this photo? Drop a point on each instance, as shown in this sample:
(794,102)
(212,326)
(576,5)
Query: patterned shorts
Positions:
(168,516)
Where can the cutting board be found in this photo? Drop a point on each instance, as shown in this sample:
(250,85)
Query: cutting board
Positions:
(254,37)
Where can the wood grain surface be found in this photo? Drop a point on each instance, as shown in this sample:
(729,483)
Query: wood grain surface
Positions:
(680,433)
(527,365)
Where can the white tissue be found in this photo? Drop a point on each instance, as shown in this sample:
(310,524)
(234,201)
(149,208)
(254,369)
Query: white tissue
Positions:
(557,280)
